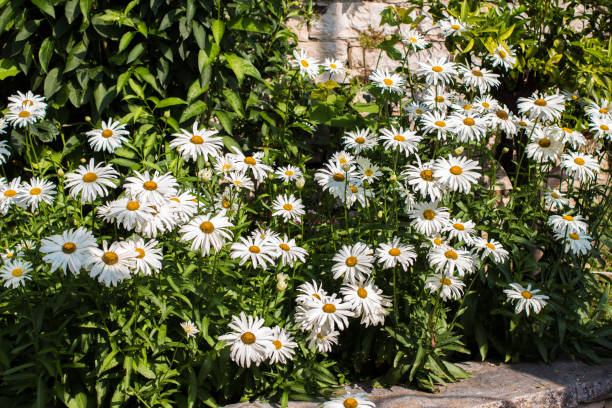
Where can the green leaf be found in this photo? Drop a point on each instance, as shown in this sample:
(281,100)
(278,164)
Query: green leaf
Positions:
(249,24)
(194,90)
(53,82)
(230,143)
(234,100)
(194,109)
(418,359)
(365,107)
(85,6)
(226,120)
(125,163)
(164,103)
(75,57)
(45,53)
(122,80)
(208,55)
(504,36)
(8,68)
(135,53)
(103,97)
(125,40)
(218,28)
(241,67)
(45,6)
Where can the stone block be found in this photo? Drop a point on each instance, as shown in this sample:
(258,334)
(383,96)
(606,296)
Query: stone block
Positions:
(346,20)
(299,27)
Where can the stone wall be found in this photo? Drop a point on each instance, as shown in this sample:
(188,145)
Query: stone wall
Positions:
(335,33)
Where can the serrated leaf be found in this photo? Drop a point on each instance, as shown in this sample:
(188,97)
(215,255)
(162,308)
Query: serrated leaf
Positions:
(234,101)
(218,28)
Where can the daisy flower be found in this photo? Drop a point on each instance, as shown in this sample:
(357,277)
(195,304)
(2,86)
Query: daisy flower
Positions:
(23,116)
(343,157)
(289,252)
(583,167)
(225,164)
(602,128)
(485,104)
(253,163)
(449,287)
(28,100)
(310,292)
(467,126)
(197,143)
(267,234)
(8,194)
(91,181)
(184,205)
(349,401)
(207,231)
(387,81)
(239,180)
(462,105)
(570,136)
(437,72)
(288,173)
(154,189)
(544,147)
(283,346)
(34,192)
(480,79)
(260,252)
(4,151)
(70,250)
(110,136)
(400,139)
(10,254)
(395,253)
(366,301)
(288,207)
(323,341)
(111,264)
(448,260)
(324,315)
(308,67)
(225,202)
(570,223)
(334,178)
(353,262)
(556,200)
(413,39)
(460,230)
(189,328)
(368,171)
(359,140)
(528,299)
(421,179)
(458,173)
(428,218)
(503,57)
(15,272)
(544,107)
(504,119)
(129,212)
(579,243)
(491,248)
(416,110)
(250,340)
(435,122)
(333,66)
(452,27)
(147,257)
(601,110)
(438,99)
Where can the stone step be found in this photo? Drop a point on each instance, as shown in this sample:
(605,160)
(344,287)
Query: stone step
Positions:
(562,384)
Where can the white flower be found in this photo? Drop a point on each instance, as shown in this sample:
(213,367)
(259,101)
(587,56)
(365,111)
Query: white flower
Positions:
(23,116)
(479,78)
(189,328)
(184,205)
(451,287)
(15,272)
(570,223)
(368,171)
(366,301)
(544,147)
(556,199)
(147,257)
(359,140)
(491,248)
(289,252)
(70,250)
(225,164)
(577,242)
(324,315)
(503,57)
(129,212)
(334,178)
(448,260)
(460,230)
(4,150)
(387,81)
(34,192)
(288,173)
(154,189)
(91,181)
(323,341)
(438,99)
(421,179)
(207,231)
(400,139)
(288,207)
(545,107)
(602,128)
(457,173)
(343,157)
(413,38)
(485,103)
(250,340)
(601,110)
(437,72)
(427,218)
(504,119)
(239,180)
(353,262)
(333,66)
(8,194)
(308,67)
(283,346)
(253,163)
(435,122)
(111,265)
(451,27)
(583,167)
(467,126)
(310,292)
(260,252)
(110,136)
(394,253)
(416,110)
(528,298)
(197,143)
(571,136)
(162,219)
(28,101)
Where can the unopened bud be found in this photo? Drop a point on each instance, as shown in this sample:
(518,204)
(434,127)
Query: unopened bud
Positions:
(393,177)
(60,173)
(346,167)
(205,175)
(167,114)
(299,183)
(380,214)
(281,283)
(87,118)
(83,160)
(505,150)
(48,152)
(388,38)
(458,151)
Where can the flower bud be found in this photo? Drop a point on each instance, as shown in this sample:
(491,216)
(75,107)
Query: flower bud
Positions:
(346,167)
(505,150)
(60,173)
(380,214)
(83,160)
(281,283)
(458,151)
(393,177)
(87,118)
(205,175)
(167,114)
(299,183)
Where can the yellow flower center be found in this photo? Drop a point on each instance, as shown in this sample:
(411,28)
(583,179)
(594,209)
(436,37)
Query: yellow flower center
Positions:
(237,182)
(486,105)
(207,227)
(459,227)
(35,191)
(368,172)
(354,189)
(388,81)
(503,53)
(24,114)
(288,207)
(175,200)
(316,296)
(141,253)
(394,252)
(150,185)
(445,281)
(342,160)
(250,161)
(254,249)
(440,123)
(603,110)
(69,247)
(277,344)
(579,161)
(456,170)
(110,258)
(544,142)
(17,272)
(362,293)
(419,111)
(439,99)
(333,66)
(567,130)
(304,63)
(437,241)
(90,177)
(225,204)
(289,173)
(351,261)
(574,236)
(338,177)
(539,102)
(284,247)
(490,246)
(195,139)
(350,403)
(106,133)
(10,193)
(132,206)
(429,215)
(522,123)
(468,121)
(554,195)
(450,254)
(413,40)
(456,27)
(604,127)
(27,102)
(248,338)
(399,138)
(477,73)
(329,308)
(437,68)
(526,294)
(321,336)
(359,140)
(568,218)
(226,167)
(427,175)
(503,115)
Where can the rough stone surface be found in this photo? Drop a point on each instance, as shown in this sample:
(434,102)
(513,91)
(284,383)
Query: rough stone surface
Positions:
(563,384)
